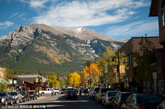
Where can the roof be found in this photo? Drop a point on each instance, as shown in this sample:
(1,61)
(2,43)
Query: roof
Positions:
(30,77)
(154,8)
(25,80)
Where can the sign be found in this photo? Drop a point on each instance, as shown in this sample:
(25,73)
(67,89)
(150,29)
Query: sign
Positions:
(122,69)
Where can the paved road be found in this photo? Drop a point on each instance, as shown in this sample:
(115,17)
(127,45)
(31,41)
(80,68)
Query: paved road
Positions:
(59,102)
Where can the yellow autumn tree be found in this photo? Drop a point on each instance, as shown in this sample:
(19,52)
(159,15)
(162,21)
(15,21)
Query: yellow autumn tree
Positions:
(90,73)
(74,79)
(53,81)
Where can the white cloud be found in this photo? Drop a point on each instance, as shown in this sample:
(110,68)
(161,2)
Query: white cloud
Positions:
(19,15)
(133,29)
(36,3)
(91,13)
(6,24)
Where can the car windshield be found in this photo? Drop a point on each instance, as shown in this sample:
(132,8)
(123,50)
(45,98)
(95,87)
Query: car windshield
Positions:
(124,96)
(112,94)
(14,93)
(71,91)
(148,99)
(2,94)
(23,93)
(97,89)
(105,89)
(31,93)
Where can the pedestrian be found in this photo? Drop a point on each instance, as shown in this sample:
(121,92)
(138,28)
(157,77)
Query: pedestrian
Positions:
(80,92)
(52,92)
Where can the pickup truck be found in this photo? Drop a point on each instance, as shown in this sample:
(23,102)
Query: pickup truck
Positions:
(48,91)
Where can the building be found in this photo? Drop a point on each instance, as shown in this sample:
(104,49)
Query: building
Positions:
(130,47)
(30,82)
(157,9)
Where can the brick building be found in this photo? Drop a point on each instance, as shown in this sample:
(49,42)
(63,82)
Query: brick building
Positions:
(130,47)
(157,9)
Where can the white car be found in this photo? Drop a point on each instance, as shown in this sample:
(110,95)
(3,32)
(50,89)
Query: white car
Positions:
(48,91)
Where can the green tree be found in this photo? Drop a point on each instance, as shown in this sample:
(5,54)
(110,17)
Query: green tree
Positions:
(63,83)
(108,61)
(52,81)
(144,58)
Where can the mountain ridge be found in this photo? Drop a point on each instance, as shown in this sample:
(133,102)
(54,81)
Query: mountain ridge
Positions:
(51,49)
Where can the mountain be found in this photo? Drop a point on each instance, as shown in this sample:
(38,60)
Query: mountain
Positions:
(38,47)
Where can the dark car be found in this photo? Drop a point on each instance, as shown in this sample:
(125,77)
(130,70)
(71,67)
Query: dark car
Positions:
(101,94)
(33,95)
(71,94)
(142,101)
(119,99)
(17,97)
(107,99)
(5,98)
(25,96)
(162,105)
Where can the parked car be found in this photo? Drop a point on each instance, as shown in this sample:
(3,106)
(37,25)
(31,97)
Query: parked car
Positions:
(33,94)
(5,98)
(93,92)
(142,101)
(107,99)
(101,94)
(161,106)
(71,94)
(25,96)
(16,96)
(62,91)
(119,99)
(47,91)
(85,91)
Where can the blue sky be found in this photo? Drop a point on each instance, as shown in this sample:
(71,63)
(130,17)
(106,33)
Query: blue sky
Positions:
(117,19)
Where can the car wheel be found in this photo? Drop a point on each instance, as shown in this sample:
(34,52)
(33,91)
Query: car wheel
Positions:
(20,101)
(17,101)
(6,103)
(11,102)
(42,94)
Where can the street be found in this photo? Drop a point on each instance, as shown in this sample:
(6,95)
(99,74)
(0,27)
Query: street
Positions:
(59,102)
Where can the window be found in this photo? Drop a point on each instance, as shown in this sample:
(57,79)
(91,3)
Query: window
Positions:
(163,13)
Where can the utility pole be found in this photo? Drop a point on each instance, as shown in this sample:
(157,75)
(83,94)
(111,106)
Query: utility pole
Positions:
(38,83)
(118,67)
(88,63)
(106,71)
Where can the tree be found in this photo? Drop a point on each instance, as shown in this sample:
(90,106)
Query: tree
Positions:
(74,79)
(9,73)
(90,75)
(144,59)
(3,85)
(63,83)
(109,61)
(52,81)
